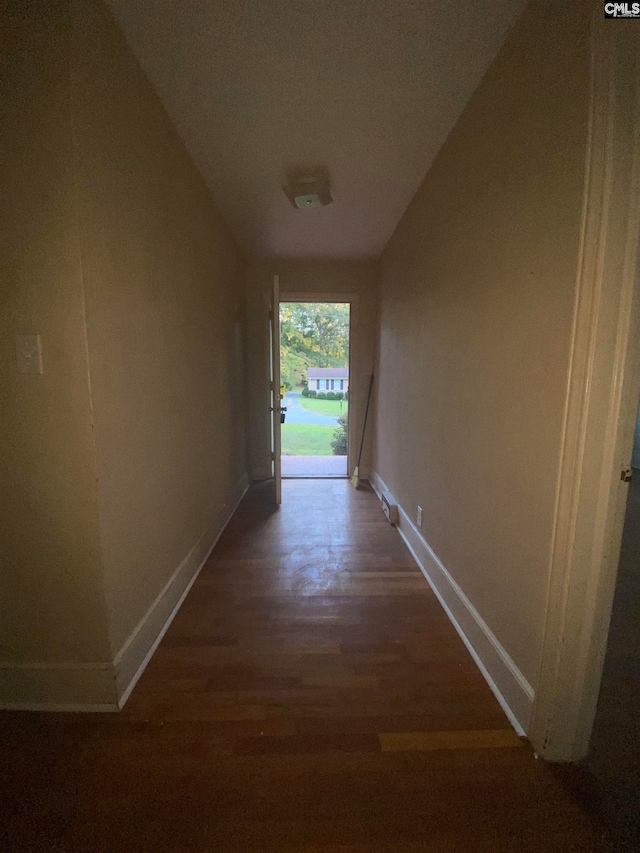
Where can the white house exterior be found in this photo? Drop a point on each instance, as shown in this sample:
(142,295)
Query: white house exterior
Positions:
(328,379)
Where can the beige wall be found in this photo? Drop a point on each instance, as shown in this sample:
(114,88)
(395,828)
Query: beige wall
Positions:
(309,277)
(51,592)
(120,460)
(164,290)
(477,288)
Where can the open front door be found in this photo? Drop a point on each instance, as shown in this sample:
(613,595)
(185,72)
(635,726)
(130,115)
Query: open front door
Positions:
(276,397)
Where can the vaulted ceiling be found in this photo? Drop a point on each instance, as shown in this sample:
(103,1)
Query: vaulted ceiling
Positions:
(366,89)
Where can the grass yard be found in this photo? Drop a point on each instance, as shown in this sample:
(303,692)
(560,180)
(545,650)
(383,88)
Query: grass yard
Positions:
(307,440)
(323,407)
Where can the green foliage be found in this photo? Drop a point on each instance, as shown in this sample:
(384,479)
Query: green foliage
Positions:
(339,440)
(305,391)
(313,393)
(321,395)
(306,440)
(312,334)
(331,395)
(338,395)
(324,407)
(293,369)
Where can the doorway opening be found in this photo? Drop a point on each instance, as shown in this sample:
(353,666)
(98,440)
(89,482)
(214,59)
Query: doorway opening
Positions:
(314,375)
(613,759)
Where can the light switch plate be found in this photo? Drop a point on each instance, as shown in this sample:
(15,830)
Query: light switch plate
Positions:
(29,353)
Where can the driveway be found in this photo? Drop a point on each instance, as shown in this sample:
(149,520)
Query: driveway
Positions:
(297,415)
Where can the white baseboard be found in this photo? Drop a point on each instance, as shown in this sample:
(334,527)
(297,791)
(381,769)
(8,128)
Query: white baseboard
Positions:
(510,687)
(138,649)
(106,686)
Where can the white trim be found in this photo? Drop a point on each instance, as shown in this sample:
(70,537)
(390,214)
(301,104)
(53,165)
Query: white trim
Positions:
(240,488)
(354,380)
(95,687)
(508,684)
(276,401)
(602,394)
(137,651)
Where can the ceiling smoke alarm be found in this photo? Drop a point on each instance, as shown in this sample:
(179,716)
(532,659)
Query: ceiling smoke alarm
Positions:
(308,193)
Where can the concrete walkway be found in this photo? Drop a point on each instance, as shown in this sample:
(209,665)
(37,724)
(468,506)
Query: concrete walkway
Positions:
(314,466)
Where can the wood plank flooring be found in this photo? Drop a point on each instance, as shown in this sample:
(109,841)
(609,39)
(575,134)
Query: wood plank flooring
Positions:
(310,696)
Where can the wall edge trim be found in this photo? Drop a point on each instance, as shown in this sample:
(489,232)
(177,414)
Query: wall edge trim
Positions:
(138,649)
(104,687)
(508,684)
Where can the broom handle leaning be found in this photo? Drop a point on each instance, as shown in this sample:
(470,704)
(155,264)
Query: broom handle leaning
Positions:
(366,415)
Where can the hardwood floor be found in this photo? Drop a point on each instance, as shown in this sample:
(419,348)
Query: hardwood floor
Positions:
(310,695)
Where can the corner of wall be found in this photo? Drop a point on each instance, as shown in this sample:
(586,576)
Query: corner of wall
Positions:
(132,659)
(510,687)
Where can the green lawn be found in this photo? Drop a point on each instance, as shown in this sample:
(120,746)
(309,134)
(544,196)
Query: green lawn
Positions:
(323,407)
(307,440)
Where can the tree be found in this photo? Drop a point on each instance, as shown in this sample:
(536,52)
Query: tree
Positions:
(293,368)
(312,334)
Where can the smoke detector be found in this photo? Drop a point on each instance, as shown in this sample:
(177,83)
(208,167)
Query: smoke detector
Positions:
(308,193)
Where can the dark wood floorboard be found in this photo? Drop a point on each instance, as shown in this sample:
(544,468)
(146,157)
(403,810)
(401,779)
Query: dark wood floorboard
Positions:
(310,695)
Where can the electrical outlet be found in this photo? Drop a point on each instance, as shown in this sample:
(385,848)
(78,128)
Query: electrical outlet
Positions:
(419,517)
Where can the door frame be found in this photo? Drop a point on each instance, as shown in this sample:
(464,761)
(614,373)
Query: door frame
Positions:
(274,388)
(602,396)
(354,379)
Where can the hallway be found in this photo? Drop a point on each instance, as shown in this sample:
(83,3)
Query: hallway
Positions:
(310,695)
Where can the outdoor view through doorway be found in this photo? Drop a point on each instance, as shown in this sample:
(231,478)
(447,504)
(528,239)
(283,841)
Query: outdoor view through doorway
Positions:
(314,370)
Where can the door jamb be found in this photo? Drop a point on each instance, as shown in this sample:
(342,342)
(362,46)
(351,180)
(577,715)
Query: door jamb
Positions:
(602,396)
(354,377)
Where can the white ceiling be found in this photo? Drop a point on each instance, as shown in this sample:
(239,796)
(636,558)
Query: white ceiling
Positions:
(368,89)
